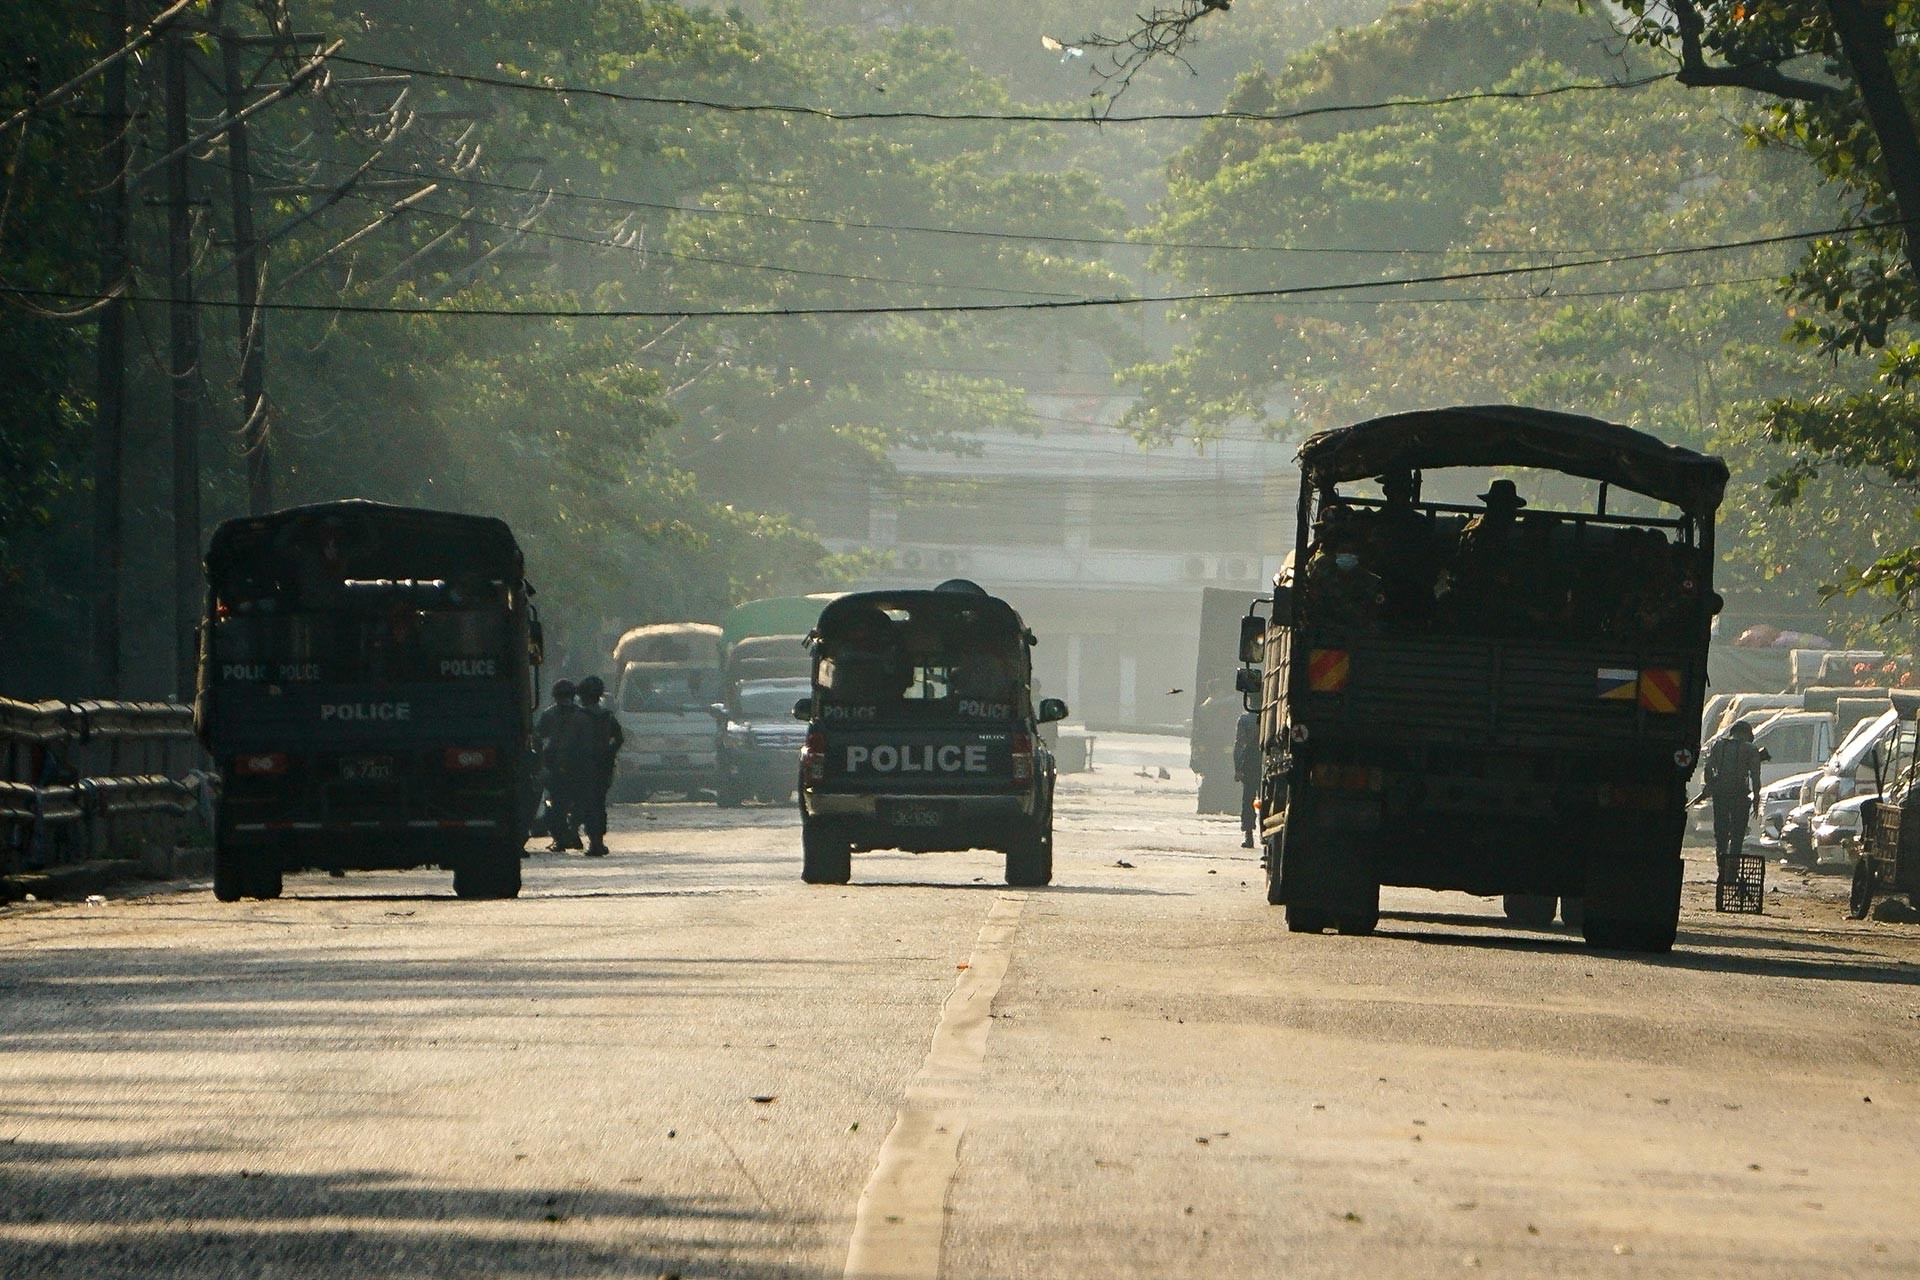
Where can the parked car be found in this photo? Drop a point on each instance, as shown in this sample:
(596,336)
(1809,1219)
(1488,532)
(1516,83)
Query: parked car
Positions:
(758,744)
(1837,833)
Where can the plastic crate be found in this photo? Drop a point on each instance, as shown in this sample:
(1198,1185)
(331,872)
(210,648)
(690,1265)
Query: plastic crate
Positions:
(1742,884)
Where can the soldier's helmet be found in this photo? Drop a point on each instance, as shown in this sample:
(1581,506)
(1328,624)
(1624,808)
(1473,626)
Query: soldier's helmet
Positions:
(1742,729)
(591,688)
(563,690)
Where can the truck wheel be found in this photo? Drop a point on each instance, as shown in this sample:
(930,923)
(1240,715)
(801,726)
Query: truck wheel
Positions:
(1528,910)
(1572,911)
(264,875)
(1632,904)
(1302,918)
(493,873)
(1276,848)
(1030,859)
(1860,899)
(826,856)
(729,794)
(1359,922)
(229,871)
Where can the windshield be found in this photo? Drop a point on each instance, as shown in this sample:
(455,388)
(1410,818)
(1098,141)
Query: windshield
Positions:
(671,689)
(888,662)
(1866,736)
(769,699)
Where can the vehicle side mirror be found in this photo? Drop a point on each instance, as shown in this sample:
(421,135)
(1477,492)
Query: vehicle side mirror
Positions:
(1051,709)
(536,643)
(803,709)
(1246,680)
(1253,637)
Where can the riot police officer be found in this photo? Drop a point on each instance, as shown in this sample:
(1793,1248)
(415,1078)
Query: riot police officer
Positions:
(594,749)
(549,733)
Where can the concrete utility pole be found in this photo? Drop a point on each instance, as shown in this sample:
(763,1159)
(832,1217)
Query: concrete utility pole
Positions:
(1865,37)
(183,372)
(247,267)
(110,401)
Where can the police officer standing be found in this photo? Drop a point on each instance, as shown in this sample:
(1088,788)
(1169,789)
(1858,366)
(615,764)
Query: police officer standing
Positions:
(597,747)
(550,732)
(1246,768)
(1733,780)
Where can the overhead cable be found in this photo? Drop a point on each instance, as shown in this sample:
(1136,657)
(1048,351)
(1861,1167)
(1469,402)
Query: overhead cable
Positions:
(995,117)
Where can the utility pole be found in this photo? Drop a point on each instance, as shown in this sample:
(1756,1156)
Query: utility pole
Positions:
(183,372)
(247,267)
(110,401)
(1865,36)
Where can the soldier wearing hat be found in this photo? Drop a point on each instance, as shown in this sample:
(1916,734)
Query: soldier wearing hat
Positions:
(1490,556)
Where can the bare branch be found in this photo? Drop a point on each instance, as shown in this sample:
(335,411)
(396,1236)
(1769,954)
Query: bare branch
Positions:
(1162,32)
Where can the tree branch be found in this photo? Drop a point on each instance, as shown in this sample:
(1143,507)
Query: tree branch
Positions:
(1761,77)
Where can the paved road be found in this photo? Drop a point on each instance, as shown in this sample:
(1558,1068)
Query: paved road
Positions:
(681,1061)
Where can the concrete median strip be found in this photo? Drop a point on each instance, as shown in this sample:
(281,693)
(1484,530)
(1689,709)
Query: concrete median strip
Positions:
(901,1220)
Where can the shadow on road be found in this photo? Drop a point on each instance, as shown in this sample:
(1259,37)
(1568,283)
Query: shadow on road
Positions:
(1740,952)
(1001,886)
(74,1210)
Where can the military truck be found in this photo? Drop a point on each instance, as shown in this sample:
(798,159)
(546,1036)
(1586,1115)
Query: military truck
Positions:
(1500,704)
(922,733)
(366,691)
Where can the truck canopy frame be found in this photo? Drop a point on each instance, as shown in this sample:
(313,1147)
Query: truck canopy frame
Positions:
(1516,436)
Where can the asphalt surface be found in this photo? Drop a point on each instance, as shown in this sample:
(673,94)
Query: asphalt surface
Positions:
(681,1061)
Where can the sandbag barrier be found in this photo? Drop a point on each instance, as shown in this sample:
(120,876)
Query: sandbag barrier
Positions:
(94,781)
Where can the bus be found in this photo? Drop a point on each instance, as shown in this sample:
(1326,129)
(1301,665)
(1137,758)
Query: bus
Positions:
(366,689)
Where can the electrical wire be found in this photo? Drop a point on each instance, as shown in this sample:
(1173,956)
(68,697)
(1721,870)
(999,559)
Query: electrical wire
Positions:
(993,117)
(843,224)
(1290,293)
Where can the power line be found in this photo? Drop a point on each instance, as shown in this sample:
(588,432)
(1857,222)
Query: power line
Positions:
(992,117)
(843,224)
(53,97)
(598,243)
(1070,304)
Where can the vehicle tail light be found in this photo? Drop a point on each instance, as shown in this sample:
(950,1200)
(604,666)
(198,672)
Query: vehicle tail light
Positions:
(1022,759)
(267,764)
(813,761)
(465,759)
(1345,777)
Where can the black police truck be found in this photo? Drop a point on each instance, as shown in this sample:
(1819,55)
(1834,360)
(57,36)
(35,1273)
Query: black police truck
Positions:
(1500,696)
(366,685)
(922,733)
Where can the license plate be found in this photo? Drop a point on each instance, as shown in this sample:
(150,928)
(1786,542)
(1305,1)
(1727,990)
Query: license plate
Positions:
(366,768)
(914,815)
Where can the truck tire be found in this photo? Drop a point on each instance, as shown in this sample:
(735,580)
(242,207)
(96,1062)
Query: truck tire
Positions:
(1302,918)
(729,794)
(1360,917)
(1572,911)
(826,855)
(1528,910)
(1632,904)
(1860,897)
(264,875)
(494,873)
(1030,857)
(229,869)
(1276,857)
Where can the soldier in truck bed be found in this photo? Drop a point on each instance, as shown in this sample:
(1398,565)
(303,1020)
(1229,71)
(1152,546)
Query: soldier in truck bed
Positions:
(1343,589)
